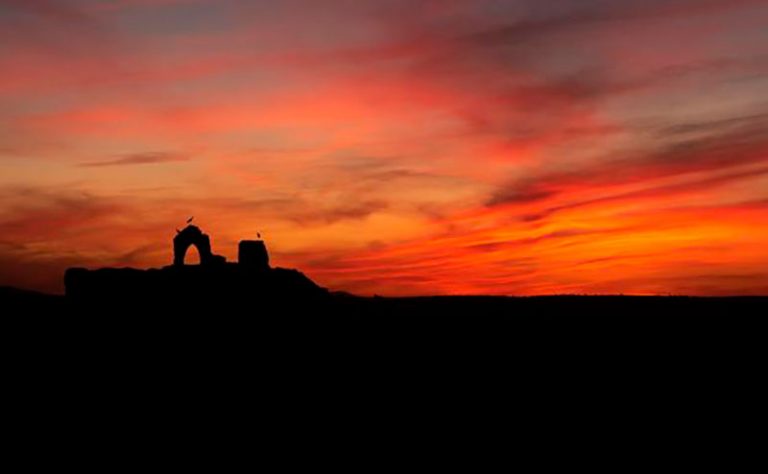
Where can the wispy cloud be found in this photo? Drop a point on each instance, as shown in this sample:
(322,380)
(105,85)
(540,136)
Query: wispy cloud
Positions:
(138,159)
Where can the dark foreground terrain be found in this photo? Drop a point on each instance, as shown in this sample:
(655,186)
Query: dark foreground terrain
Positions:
(237,305)
(339,314)
(313,353)
(282,313)
(327,306)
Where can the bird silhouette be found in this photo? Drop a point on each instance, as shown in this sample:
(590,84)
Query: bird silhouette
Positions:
(190,219)
(258,234)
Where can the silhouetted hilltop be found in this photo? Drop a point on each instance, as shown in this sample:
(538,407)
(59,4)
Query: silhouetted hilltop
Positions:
(187,285)
(15,299)
(214,283)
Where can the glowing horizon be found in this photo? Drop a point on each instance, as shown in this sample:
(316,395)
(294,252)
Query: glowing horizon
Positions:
(393,147)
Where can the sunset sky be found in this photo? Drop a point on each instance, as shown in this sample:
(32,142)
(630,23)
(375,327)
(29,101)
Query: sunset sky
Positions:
(394,147)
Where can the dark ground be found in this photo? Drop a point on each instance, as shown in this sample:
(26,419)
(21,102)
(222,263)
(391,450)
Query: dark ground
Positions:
(441,320)
(304,367)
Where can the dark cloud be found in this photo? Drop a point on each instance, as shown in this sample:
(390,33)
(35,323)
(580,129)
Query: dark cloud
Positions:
(42,230)
(740,145)
(305,213)
(52,10)
(507,244)
(715,126)
(519,194)
(136,255)
(299,210)
(138,159)
(353,211)
(567,16)
(668,190)
(656,191)
(34,214)
(56,26)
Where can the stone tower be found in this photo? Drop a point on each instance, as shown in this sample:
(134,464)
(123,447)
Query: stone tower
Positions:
(253,254)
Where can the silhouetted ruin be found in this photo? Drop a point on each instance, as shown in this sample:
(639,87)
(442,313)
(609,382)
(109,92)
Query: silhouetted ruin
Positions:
(215,280)
(253,254)
(192,235)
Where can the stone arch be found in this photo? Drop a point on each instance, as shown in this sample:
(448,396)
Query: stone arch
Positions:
(192,235)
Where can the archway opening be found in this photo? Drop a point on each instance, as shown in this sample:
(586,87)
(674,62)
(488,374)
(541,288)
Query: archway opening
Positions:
(192,256)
